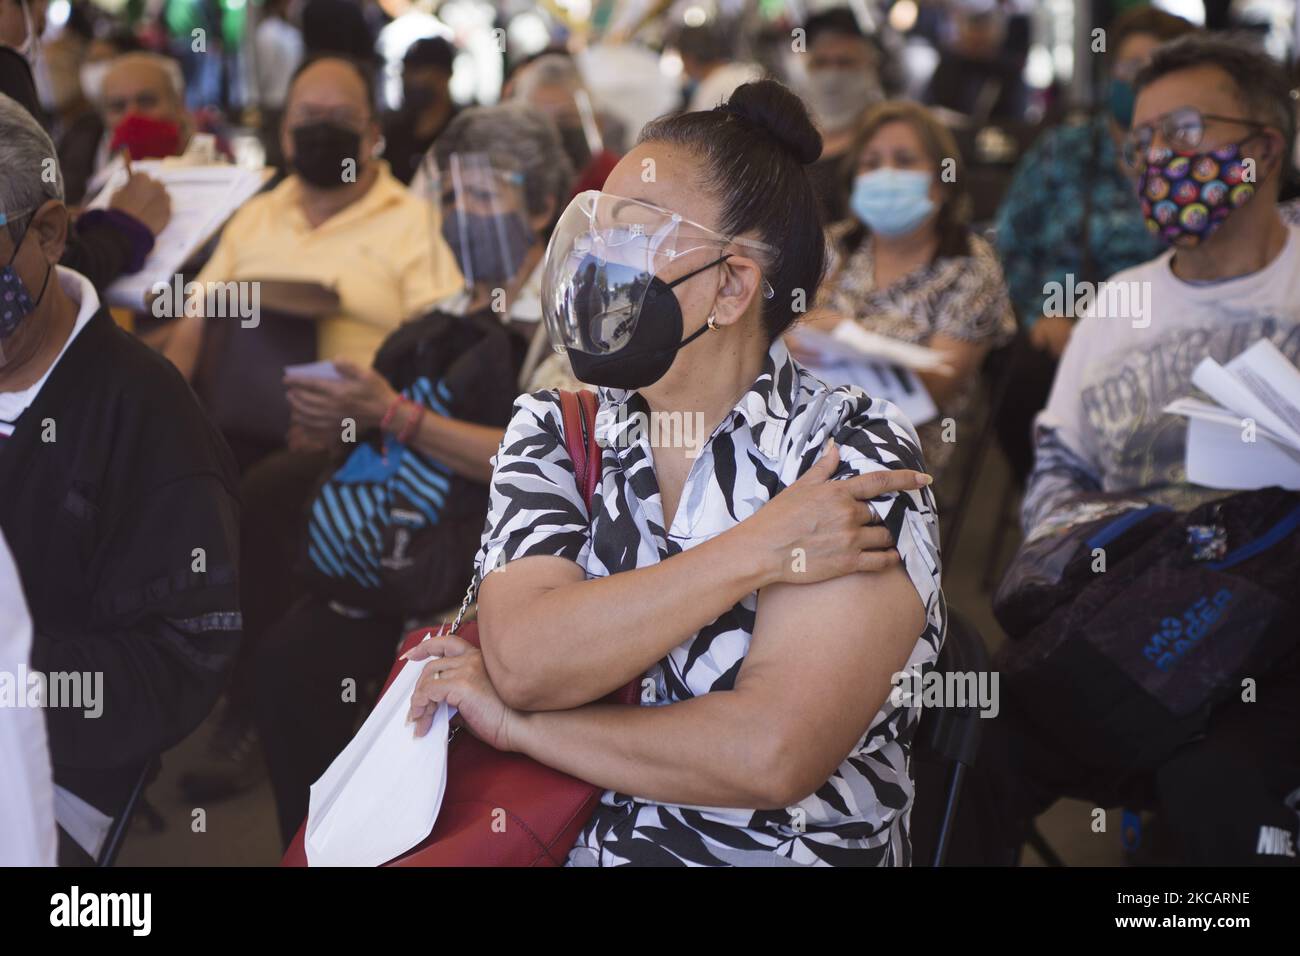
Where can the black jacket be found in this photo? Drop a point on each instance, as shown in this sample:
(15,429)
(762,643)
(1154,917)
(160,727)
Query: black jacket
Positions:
(111,480)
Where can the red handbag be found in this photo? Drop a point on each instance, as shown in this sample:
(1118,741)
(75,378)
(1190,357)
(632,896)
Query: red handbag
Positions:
(506,809)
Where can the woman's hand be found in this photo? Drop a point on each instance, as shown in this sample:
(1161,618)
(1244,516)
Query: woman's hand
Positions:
(818,529)
(460,678)
(319,405)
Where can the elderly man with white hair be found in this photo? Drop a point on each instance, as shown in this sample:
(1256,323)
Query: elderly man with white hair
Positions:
(139,108)
(118,501)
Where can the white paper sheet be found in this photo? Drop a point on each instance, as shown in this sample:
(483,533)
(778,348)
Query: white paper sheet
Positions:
(87,825)
(1258,386)
(381,795)
(1218,458)
(850,341)
(202,197)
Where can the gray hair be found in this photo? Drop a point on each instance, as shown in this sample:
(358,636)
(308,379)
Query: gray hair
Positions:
(165,65)
(516,139)
(31,174)
(550,69)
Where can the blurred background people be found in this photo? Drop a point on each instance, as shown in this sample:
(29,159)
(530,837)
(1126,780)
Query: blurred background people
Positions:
(21,24)
(340,220)
(140,108)
(1072,210)
(410,21)
(553,85)
(980,66)
(907,265)
(709,62)
(843,79)
(426,105)
(277,53)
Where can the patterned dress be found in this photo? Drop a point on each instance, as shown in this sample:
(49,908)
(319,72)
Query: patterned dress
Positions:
(774,434)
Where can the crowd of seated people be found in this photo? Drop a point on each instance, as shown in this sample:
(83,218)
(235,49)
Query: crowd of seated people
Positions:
(237,524)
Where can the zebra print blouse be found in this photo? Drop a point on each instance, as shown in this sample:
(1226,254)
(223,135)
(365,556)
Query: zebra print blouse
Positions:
(774,433)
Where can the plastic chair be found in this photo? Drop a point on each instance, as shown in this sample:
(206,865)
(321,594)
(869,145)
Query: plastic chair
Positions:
(116,835)
(951,735)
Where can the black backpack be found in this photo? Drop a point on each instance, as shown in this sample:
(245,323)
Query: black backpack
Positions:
(1127,664)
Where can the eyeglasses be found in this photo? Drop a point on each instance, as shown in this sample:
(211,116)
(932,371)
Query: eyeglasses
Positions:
(1183,130)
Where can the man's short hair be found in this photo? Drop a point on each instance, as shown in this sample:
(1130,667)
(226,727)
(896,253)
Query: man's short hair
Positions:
(1146,21)
(708,42)
(431,53)
(361,69)
(29,165)
(1262,83)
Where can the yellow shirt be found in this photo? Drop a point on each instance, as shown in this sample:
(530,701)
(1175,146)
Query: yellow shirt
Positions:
(384,255)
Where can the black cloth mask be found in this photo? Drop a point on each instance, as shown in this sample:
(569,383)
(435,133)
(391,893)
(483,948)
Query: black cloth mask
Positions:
(320,150)
(656,337)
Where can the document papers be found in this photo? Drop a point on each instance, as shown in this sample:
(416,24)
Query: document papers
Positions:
(381,795)
(203,198)
(882,367)
(1251,438)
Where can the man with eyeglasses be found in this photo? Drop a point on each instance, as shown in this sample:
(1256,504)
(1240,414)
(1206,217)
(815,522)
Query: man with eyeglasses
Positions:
(1210,142)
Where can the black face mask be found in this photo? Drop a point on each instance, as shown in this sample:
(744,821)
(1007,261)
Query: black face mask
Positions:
(649,352)
(319,151)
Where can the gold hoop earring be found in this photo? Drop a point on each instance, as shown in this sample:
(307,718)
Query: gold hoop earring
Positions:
(712,322)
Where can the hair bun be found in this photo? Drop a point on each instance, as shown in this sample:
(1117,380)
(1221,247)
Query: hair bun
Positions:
(781,114)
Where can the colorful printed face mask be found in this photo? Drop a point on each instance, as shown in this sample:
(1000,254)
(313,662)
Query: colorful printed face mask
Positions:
(1186,196)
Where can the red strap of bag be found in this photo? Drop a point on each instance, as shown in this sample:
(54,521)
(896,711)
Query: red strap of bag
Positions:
(578,413)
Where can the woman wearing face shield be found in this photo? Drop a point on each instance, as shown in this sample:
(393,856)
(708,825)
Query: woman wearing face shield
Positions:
(763,576)
(499,177)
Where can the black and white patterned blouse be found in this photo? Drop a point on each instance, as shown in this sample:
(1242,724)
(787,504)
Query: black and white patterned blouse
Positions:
(774,434)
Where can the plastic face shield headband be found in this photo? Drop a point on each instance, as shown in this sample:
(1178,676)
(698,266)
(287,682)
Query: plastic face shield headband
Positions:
(604,255)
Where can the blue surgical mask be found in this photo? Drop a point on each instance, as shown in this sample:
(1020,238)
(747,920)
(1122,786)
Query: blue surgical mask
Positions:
(16,303)
(892,202)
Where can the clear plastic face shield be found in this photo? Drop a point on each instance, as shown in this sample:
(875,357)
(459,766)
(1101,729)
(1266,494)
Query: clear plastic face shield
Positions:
(485,217)
(608,254)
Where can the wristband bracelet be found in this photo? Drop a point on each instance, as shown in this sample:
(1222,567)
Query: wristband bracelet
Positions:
(411,424)
(392,410)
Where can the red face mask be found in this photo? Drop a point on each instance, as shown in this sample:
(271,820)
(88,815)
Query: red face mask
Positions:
(146,138)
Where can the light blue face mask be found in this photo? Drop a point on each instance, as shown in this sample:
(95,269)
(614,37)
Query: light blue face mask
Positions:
(892,202)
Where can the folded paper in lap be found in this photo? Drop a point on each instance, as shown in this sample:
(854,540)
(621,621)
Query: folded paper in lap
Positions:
(1251,438)
(381,795)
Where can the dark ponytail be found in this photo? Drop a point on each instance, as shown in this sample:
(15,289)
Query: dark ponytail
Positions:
(755,147)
